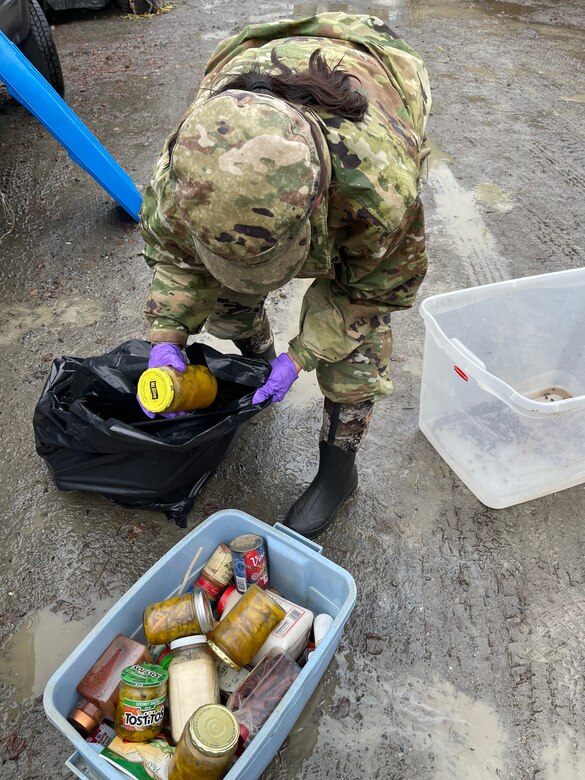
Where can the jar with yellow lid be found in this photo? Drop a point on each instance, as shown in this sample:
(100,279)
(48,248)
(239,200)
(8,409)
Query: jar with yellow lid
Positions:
(177,617)
(241,633)
(141,702)
(208,742)
(167,390)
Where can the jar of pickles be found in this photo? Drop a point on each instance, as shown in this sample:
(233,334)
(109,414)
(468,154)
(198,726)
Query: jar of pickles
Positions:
(207,744)
(241,633)
(177,617)
(165,389)
(141,702)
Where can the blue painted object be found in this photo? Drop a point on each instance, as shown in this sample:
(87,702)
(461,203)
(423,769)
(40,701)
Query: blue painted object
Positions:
(296,568)
(26,85)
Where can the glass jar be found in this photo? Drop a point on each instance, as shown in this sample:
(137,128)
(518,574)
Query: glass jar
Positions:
(217,573)
(241,633)
(141,702)
(165,389)
(207,744)
(176,617)
(192,681)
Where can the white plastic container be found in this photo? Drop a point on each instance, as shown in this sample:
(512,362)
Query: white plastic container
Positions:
(503,385)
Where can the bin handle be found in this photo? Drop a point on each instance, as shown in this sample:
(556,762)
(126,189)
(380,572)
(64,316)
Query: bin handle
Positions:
(468,353)
(72,764)
(299,538)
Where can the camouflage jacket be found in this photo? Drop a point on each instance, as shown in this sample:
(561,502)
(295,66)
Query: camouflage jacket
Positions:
(373,204)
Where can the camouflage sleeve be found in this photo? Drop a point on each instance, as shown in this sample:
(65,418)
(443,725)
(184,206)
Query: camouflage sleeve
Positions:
(372,280)
(183,292)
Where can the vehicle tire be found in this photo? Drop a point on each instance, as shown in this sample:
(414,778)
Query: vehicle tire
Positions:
(39,48)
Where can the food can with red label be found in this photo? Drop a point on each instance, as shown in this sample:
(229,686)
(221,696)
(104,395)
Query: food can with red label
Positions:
(250,565)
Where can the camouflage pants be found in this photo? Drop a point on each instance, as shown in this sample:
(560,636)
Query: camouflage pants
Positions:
(364,375)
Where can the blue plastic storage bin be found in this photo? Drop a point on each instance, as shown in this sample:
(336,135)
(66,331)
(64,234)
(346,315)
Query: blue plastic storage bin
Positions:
(296,568)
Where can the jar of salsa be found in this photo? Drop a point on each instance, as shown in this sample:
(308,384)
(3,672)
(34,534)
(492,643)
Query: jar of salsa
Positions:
(177,617)
(141,702)
(241,633)
(167,390)
(207,744)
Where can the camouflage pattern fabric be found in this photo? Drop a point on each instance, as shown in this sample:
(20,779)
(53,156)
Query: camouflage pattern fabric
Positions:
(259,342)
(346,425)
(367,246)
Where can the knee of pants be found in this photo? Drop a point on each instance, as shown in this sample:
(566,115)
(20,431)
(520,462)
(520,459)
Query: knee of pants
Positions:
(364,375)
(235,324)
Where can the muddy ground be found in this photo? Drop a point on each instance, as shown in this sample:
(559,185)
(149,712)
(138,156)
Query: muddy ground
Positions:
(464,656)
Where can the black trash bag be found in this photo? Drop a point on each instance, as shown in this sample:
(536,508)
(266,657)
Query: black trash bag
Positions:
(94,436)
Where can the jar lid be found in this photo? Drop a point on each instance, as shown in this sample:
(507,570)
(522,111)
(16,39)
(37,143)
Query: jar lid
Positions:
(155,389)
(246,543)
(144,675)
(214,730)
(185,641)
(225,596)
(85,717)
(223,656)
(203,611)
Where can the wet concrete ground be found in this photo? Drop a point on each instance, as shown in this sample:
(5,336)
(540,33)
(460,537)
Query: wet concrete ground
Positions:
(464,656)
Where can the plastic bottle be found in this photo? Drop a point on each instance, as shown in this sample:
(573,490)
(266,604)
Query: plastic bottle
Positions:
(241,633)
(167,390)
(290,635)
(100,684)
(192,681)
(207,744)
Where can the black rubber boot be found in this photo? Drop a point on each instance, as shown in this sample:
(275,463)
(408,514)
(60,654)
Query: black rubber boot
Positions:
(335,482)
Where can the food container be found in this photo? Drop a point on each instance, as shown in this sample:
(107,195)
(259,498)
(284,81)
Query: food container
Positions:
(176,617)
(298,570)
(240,634)
(141,702)
(503,385)
(167,390)
(209,740)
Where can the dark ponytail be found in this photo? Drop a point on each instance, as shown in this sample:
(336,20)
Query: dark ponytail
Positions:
(320,86)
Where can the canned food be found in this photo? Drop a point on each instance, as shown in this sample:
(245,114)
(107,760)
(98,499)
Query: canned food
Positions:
(249,559)
(216,573)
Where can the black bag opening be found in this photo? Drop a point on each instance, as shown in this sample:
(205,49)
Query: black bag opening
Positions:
(93,435)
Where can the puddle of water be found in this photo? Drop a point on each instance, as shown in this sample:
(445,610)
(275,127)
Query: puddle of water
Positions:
(458,213)
(435,724)
(41,643)
(494,197)
(22,317)
(437,156)
(574,98)
(563,758)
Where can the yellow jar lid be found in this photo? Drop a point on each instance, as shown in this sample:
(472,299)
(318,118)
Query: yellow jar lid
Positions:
(214,730)
(155,390)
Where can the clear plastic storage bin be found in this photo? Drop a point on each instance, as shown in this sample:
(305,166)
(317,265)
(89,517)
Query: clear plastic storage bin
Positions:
(503,385)
(296,568)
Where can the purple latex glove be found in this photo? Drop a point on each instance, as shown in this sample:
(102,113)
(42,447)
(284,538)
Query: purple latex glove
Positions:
(280,381)
(165,355)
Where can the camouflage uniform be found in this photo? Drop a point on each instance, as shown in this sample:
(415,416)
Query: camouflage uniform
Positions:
(367,249)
